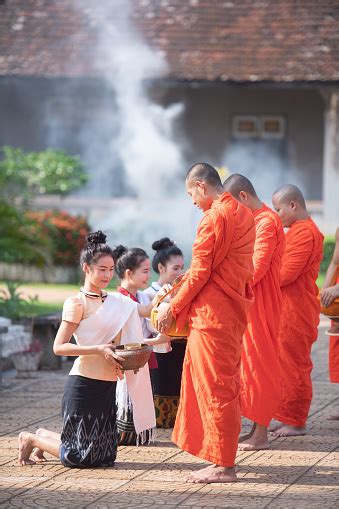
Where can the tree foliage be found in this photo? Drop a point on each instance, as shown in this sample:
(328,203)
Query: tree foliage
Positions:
(27,174)
(23,176)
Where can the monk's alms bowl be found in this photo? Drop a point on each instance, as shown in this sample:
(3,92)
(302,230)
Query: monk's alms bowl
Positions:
(331,311)
(135,355)
(172,332)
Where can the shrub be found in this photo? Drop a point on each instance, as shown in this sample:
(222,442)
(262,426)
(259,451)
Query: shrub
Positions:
(27,174)
(18,240)
(67,234)
(329,244)
(13,305)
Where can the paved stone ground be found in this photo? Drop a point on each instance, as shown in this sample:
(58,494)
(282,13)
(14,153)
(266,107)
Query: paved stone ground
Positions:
(296,472)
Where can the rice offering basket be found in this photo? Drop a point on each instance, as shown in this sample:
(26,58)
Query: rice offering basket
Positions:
(183,333)
(135,355)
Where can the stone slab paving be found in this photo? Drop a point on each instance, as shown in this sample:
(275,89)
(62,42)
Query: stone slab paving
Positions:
(295,473)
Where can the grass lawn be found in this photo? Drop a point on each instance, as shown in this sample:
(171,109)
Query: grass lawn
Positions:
(320,280)
(59,286)
(46,308)
(58,293)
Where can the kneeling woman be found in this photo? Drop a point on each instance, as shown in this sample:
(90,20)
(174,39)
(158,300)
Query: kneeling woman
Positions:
(89,436)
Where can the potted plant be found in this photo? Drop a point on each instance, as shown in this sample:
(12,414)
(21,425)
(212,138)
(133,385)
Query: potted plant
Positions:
(26,361)
(25,352)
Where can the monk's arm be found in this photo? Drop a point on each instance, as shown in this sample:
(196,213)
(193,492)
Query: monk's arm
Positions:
(265,244)
(200,270)
(332,271)
(298,250)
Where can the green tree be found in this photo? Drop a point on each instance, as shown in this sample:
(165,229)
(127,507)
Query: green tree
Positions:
(23,176)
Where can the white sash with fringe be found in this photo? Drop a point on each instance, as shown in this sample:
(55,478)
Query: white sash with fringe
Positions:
(120,313)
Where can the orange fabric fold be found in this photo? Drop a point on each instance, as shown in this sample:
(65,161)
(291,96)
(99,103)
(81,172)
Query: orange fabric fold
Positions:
(299,319)
(260,369)
(333,359)
(214,298)
(333,355)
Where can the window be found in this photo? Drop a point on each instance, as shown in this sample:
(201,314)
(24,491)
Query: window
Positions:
(259,127)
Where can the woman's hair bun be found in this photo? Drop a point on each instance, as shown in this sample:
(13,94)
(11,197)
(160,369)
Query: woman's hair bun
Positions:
(162,244)
(119,251)
(96,238)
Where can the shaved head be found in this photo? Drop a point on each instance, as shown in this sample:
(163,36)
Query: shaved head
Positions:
(290,205)
(288,193)
(203,172)
(236,183)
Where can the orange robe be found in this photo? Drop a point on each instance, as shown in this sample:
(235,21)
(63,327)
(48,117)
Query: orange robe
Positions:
(333,357)
(260,380)
(214,298)
(299,319)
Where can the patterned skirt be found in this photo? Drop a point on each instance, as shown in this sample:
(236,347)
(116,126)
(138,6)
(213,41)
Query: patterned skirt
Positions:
(166,382)
(89,434)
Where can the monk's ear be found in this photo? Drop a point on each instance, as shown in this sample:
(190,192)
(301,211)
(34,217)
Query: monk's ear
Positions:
(293,205)
(243,197)
(200,185)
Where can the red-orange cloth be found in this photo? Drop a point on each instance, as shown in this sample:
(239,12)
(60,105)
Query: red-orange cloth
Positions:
(333,357)
(299,319)
(260,370)
(214,298)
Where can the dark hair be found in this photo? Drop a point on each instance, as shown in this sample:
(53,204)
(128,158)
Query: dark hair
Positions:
(95,248)
(125,259)
(165,248)
(205,172)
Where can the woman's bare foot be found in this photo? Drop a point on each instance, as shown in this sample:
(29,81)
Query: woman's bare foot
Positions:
(212,474)
(25,449)
(290,431)
(38,455)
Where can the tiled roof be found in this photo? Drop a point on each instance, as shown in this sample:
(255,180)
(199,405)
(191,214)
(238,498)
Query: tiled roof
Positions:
(238,40)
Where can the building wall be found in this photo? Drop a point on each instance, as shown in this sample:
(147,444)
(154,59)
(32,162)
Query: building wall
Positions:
(80,117)
(297,159)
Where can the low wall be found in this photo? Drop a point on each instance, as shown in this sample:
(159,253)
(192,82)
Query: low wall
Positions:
(55,274)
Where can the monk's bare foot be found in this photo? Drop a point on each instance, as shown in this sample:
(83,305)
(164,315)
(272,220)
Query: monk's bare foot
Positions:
(244,438)
(38,456)
(290,431)
(333,417)
(25,449)
(212,474)
(257,440)
(275,427)
(253,444)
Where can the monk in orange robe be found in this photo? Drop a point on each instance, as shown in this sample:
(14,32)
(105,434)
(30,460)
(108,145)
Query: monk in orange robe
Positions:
(214,298)
(260,369)
(328,294)
(300,311)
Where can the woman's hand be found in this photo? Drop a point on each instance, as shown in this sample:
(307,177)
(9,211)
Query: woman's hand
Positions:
(163,291)
(160,339)
(108,353)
